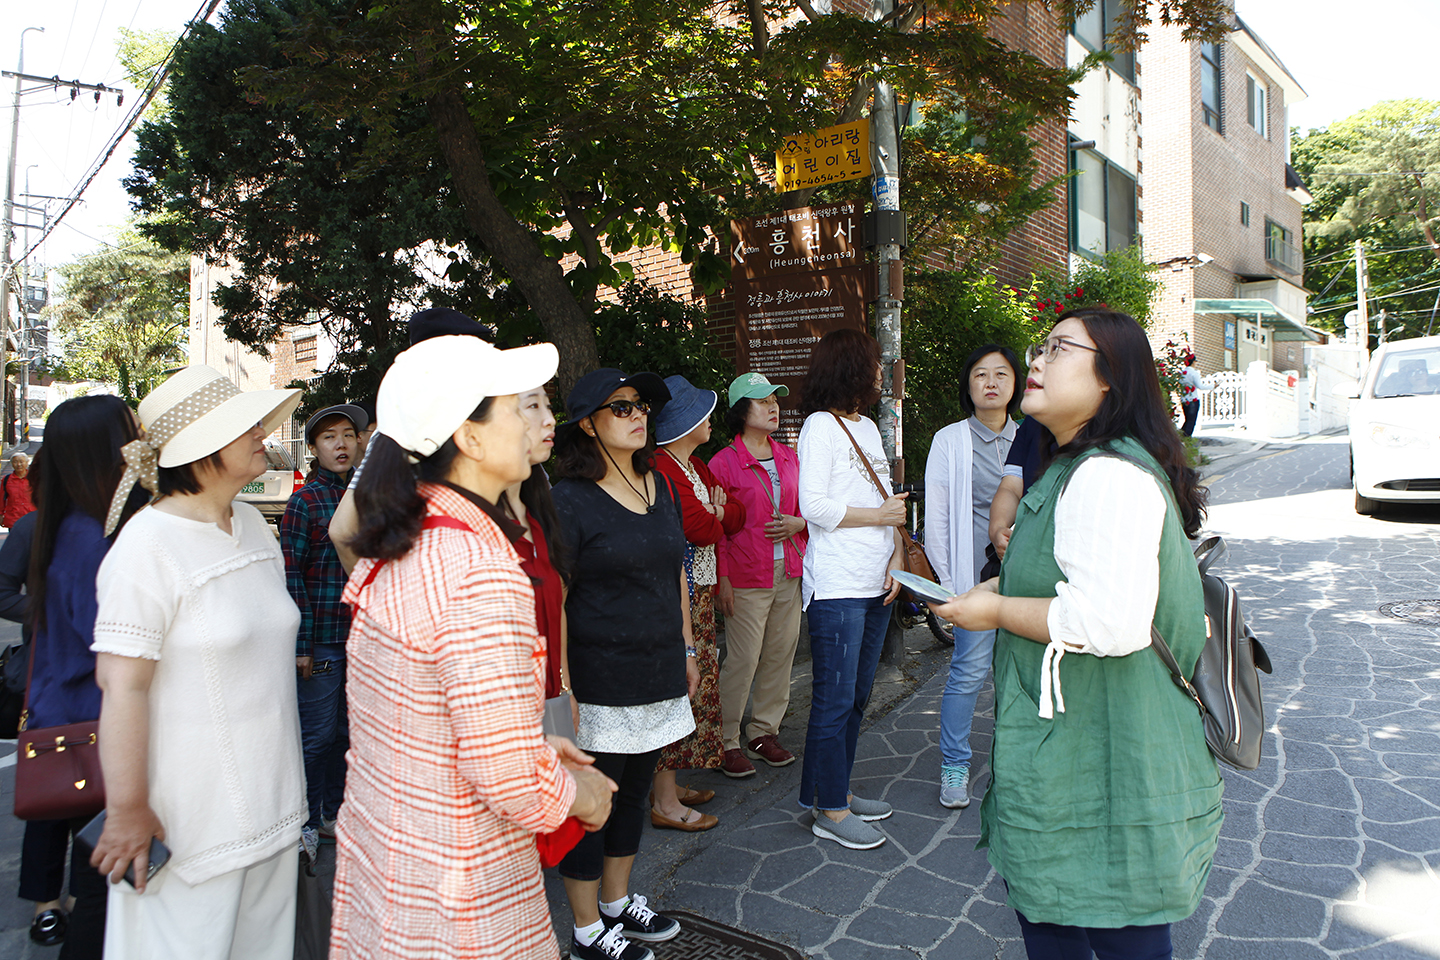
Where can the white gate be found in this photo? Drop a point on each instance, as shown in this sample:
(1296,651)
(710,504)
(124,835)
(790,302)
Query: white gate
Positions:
(1224,402)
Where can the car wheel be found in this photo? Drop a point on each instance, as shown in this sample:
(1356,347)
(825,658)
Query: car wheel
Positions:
(1365,506)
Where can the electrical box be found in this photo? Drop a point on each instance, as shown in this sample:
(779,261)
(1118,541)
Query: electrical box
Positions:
(884,226)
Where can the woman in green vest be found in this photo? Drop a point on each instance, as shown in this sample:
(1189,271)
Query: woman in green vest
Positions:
(1103,809)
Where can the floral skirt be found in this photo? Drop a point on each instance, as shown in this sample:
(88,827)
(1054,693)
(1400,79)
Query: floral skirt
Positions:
(702,749)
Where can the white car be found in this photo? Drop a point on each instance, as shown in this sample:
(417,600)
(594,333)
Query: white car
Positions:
(1395,426)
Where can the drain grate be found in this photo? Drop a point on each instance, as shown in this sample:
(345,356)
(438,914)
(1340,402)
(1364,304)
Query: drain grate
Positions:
(703,939)
(1416,611)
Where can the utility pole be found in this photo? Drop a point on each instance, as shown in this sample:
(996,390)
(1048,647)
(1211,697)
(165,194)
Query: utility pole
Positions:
(1362,302)
(889,236)
(7,225)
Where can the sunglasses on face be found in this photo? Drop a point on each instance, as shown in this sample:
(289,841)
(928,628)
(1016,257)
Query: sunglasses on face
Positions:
(624,408)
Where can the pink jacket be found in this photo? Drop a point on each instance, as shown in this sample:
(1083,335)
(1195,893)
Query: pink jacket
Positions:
(747,556)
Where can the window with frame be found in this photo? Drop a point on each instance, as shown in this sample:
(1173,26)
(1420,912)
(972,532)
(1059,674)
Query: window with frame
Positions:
(1103,205)
(1244,214)
(1257,103)
(1211,86)
(1280,247)
(1093,26)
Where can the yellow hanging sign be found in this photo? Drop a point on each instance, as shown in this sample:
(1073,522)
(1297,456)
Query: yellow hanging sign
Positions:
(830,155)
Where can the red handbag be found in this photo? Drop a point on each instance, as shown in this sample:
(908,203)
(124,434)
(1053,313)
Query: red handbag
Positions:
(57,769)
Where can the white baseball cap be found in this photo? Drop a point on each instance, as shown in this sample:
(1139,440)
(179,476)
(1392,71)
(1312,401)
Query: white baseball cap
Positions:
(434,386)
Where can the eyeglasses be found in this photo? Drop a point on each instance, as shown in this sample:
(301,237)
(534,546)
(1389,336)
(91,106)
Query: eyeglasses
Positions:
(624,408)
(1051,348)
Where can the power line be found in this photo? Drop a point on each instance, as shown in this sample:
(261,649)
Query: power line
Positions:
(206,10)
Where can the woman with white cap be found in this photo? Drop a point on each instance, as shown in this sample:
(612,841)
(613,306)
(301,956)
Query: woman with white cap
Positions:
(682,425)
(195,636)
(450,773)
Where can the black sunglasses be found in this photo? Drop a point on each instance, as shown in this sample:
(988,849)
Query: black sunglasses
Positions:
(624,408)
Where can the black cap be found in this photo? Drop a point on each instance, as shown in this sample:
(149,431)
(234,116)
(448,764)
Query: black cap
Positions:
(444,322)
(356,415)
(592,390)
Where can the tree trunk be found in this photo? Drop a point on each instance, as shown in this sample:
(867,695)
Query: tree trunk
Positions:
(539,278)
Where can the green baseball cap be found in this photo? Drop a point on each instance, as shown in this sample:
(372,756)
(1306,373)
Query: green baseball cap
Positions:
(754,386)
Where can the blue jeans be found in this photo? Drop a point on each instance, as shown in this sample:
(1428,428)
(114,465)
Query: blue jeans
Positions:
(1053,941)
(846,636)
(969,663)
(324,731)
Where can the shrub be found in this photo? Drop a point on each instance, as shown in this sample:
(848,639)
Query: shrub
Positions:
(946,316)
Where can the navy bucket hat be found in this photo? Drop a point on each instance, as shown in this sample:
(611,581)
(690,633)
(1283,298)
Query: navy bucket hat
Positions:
(687,409)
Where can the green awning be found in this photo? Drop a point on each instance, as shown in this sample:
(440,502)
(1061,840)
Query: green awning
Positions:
(1282,326)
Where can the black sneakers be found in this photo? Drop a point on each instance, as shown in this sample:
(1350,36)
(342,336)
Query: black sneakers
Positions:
(638,922)
(610,945)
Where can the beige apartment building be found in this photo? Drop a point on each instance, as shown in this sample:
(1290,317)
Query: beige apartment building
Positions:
(1222,205)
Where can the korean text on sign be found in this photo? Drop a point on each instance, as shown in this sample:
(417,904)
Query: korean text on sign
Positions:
(826,156)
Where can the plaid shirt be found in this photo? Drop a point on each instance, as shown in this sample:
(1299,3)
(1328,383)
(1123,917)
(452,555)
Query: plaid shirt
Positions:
(313,573)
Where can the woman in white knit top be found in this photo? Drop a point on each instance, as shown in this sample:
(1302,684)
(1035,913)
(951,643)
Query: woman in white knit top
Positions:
(199,736)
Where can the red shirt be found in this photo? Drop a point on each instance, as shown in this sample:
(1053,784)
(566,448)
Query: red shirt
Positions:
(701,526)
(549,597)
(15,498)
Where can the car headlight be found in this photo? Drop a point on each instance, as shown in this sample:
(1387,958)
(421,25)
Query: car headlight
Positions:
(1390,435)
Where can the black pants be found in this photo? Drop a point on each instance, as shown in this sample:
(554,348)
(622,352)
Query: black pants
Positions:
(1053,941)
(620,837)
(1191,408)
(42,874)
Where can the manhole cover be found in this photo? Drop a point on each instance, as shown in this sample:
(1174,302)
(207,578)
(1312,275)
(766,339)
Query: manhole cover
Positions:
(704,939)
(1416,611)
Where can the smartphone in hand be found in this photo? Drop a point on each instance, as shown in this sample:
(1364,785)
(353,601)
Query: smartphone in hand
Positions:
(159,853)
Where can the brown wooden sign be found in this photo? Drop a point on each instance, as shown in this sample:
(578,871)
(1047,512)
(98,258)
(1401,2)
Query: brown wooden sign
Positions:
(796,241)
(779,319)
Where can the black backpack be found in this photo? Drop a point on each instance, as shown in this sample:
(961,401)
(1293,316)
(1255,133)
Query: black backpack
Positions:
(1226,684)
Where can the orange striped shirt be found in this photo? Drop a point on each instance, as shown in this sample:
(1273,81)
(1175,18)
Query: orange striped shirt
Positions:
(450,776)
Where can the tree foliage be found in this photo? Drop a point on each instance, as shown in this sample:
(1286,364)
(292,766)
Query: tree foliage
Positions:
(563,134)
(1375,177)
(947,315)
(1119,279)
(122,315)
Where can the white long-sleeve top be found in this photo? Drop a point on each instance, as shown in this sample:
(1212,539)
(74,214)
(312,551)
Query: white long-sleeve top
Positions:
(1108,523)
(962,473)
(842,561)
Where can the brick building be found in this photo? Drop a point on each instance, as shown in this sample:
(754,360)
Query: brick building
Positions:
(1223,205)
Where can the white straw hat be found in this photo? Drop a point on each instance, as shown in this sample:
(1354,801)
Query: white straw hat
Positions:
(190,416)
(434,386)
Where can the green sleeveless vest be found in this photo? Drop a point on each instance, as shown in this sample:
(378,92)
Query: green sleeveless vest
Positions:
(1107,815)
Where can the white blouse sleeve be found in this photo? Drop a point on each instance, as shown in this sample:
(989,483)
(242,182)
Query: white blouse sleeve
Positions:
(138,598)
(937,508)
(1107,543)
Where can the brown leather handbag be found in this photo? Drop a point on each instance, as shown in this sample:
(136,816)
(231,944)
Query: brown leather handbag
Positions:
(915,560)
(57,769)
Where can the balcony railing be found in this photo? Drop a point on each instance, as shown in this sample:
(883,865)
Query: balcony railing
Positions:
(1282,253)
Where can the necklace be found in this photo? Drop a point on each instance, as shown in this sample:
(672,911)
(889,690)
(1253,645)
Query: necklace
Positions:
(649,505)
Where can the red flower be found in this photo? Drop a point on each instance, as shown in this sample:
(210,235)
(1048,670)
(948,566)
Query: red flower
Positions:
(1059,309)
(1035,319)
(1079,292)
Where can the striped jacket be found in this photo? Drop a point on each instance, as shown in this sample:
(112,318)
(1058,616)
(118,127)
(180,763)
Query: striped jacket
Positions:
(450,776)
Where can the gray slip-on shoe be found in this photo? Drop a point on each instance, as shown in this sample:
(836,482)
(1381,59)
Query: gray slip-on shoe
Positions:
(869,809)
(851,832)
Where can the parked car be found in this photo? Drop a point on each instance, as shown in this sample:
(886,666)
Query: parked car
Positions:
(1395,426)
(270,491)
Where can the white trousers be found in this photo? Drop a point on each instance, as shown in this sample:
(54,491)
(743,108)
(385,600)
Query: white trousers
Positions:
(246,914)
